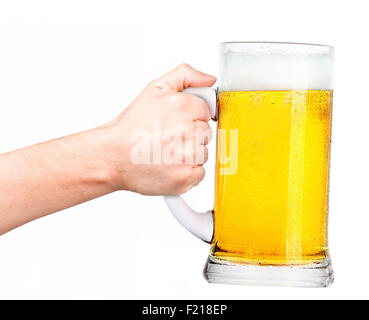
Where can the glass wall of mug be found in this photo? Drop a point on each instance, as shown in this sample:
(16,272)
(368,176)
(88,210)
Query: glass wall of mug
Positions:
(272,170)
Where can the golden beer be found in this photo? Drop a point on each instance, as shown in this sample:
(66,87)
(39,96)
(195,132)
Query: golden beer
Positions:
(273,209)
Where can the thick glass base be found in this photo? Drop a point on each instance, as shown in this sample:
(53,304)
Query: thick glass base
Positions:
(312,275)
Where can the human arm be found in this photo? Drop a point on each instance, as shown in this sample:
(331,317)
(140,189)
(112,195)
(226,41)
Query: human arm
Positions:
(44,178)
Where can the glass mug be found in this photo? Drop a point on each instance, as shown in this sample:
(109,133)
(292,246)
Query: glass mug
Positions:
(269,223)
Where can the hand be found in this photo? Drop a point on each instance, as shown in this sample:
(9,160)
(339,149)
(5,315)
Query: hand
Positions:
(162,126)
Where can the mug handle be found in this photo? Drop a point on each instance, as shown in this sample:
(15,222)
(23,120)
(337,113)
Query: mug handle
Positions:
(199,224)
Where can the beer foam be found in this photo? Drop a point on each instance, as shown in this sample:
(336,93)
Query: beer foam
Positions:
(251,66)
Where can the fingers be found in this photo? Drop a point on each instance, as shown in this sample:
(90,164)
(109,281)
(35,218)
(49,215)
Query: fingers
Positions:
(199,109)
(204,156)
(194,155)
(202,132)
(188,106)
(183,118)
(193,150)
(182,77)
(176,81)
(198,174)
(186,179)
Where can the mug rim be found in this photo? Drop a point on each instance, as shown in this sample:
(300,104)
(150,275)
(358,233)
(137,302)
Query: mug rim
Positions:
(276,43)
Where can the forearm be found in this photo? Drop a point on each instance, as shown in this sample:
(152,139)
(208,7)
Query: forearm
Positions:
(51,176)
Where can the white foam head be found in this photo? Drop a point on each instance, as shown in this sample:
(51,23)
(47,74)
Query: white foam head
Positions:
(250,66)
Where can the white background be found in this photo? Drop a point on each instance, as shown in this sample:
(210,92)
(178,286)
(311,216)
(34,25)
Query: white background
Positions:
(66,66)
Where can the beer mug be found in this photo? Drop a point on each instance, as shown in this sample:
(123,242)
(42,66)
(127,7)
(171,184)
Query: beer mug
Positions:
(269,223)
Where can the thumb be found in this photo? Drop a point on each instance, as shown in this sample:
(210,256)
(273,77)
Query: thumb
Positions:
(184,76)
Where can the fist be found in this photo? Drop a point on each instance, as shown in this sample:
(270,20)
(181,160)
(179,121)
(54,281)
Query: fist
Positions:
(159,141)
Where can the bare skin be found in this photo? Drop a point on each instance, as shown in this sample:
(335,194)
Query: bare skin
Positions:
(41,179)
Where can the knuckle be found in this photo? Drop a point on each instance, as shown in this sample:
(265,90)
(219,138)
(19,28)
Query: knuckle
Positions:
(205,107)
(202,132)
(202,155)
(184,67)
(208,135)
(156,84)
(173,98)
(188,157)
(206,154)
(203,125)
(178,99)
(178,102)
(195,126)
(200,108)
